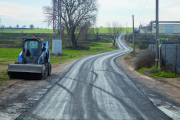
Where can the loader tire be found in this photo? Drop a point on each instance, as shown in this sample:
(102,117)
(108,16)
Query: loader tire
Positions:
(43,76)
(49,69)
(40,77)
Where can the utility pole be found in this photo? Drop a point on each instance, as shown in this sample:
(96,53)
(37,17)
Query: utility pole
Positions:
(133,35)
(59,16)
(158,63)
(57,42)
(54,17)
(126,27)
(126,31)
(58,19)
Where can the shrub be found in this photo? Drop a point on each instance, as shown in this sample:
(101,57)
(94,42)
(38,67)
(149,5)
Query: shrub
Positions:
(141,70)
(106,40)
(167,68)
(143,46)
(144,59)
(78,48)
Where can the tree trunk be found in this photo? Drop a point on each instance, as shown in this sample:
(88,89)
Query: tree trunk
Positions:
(114,43)
(74,41)
(97,36)
(86,36)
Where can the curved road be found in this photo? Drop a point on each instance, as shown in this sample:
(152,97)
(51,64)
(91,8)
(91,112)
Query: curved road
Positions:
(96,89)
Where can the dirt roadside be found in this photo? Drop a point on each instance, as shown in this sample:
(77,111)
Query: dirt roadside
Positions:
(17,96)
(162,94)
(172,85)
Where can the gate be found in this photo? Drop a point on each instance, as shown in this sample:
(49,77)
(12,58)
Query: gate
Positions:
(169,30)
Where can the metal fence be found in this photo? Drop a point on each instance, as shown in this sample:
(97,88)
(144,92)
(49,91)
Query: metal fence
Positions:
(170,55)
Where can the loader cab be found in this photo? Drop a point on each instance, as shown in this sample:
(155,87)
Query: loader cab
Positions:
(32,50)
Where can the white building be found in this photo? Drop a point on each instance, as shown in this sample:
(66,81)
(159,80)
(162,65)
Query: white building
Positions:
(167,27)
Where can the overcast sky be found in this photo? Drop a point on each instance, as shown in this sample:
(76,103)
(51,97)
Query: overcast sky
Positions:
(25,12)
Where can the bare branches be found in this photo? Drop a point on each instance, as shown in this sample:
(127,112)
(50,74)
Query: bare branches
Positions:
(31,26)
(114,30)
(47,10)
(75,14)
(1,27)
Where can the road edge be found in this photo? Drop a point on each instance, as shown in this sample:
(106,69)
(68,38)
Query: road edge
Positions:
(167,106)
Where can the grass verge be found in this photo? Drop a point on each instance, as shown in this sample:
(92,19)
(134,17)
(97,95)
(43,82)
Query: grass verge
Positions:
(69,55)
(165,75)
(143,63)
(154,72)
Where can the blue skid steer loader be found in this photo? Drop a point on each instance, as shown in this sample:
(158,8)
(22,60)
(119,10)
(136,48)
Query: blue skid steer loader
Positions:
(33,61)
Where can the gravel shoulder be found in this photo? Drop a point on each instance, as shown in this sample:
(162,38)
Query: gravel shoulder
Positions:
(162,94)
(17,96)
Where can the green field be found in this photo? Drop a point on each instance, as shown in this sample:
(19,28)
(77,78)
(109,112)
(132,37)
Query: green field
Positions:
(9,55)
(101,30)
(105,30)
(28,31)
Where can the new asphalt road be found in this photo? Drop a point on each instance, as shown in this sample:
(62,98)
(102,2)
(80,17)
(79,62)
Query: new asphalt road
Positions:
(96,89)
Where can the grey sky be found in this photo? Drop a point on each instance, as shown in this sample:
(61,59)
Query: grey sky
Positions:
(25,12)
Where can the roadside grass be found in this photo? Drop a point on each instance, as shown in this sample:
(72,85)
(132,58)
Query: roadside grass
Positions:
(154,72)
(69,55)
(101,30)
(142,63)
(154,68)
(165,75)
(130,55)
(10,55)
(3,77)
(142,70)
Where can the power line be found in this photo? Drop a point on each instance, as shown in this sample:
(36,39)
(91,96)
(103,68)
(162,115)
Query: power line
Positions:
(143,10)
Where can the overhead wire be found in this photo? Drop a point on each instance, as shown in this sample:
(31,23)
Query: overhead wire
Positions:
(143,9)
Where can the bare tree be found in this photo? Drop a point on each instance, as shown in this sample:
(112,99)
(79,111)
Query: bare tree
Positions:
(31,26)
(84,30)
(2,28)
(114,30)
(75,15)
(97,33)
(17,26)
(24,26)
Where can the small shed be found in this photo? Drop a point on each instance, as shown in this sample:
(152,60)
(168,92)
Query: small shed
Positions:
(167,27)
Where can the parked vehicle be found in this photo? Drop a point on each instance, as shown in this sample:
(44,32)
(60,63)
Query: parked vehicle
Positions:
(33,61)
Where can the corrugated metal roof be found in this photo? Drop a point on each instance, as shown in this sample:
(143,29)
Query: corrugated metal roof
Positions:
(169,22)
